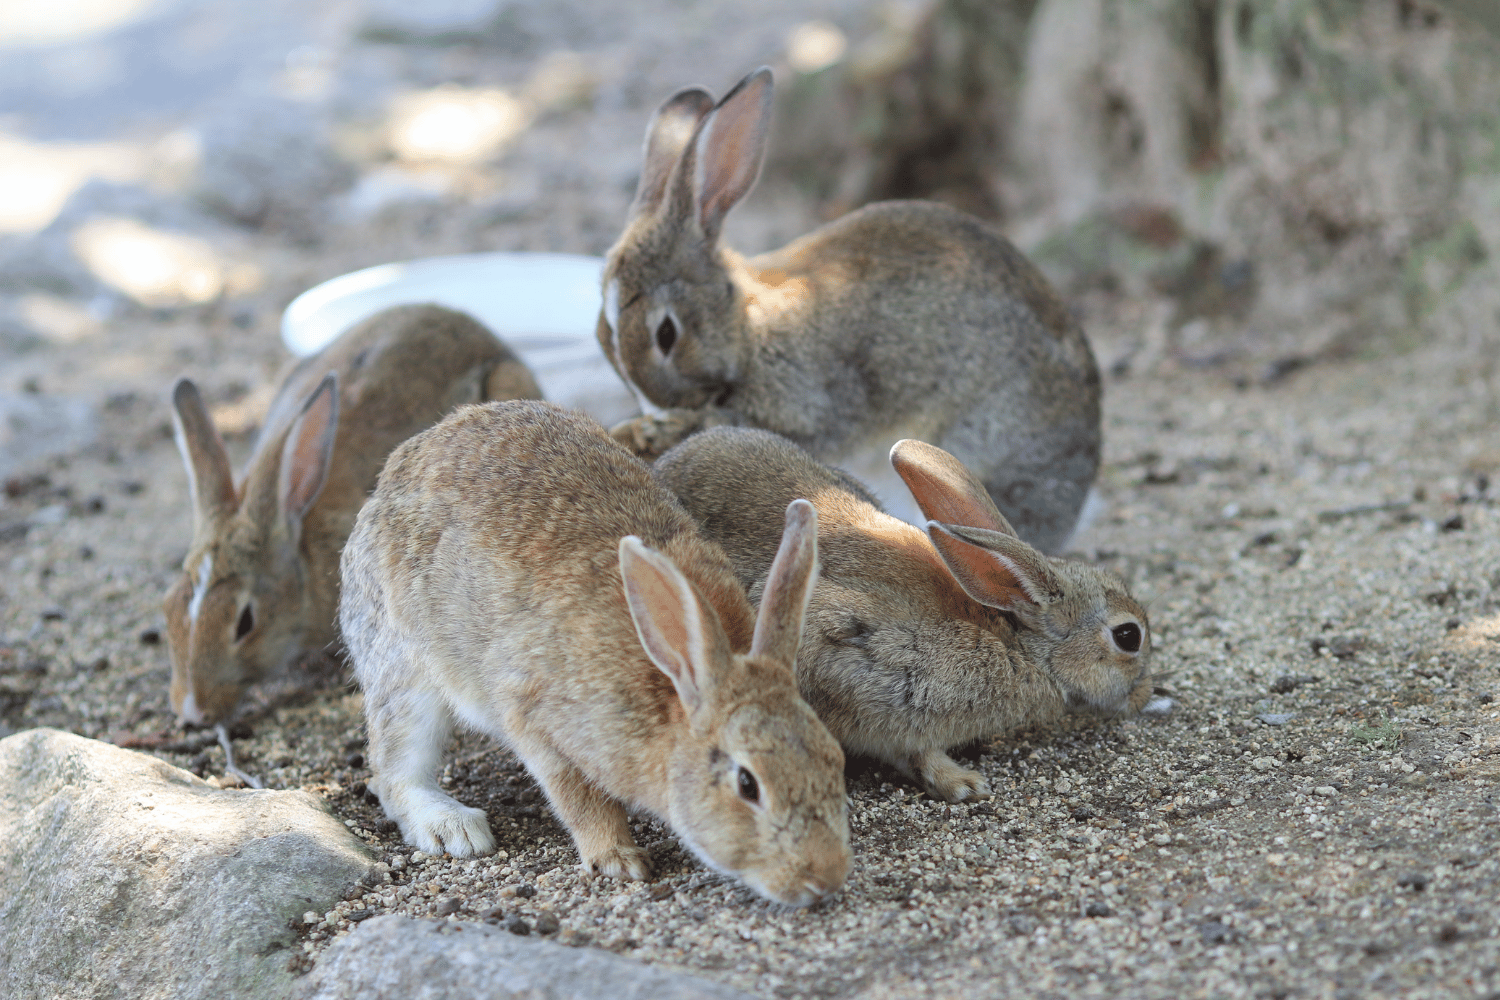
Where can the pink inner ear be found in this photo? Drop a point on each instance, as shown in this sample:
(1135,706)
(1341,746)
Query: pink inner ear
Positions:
(944,489)
(311,451)
(730,148)
(985,576)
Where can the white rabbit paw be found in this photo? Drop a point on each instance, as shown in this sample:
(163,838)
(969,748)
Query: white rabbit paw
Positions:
(627,863)
(1159,706)
(445,826)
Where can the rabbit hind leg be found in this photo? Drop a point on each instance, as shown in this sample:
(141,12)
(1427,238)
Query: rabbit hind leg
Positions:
(408,731)
(946,779)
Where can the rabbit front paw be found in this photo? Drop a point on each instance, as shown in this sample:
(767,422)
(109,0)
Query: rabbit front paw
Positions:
(651,435)
(627,863)
(947,780)
(441,825)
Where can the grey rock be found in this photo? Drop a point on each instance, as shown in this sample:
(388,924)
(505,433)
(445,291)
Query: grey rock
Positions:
(1276,718)
(122,876)
(405,959)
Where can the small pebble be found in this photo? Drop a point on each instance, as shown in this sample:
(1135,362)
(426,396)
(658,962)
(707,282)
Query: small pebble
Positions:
(525,891)
(1099,910)
(448,906)
(660,890)
(150,637)
(1416,881)
(517,925)
(547,923)
(1326,791)
(355,760)
(493,915)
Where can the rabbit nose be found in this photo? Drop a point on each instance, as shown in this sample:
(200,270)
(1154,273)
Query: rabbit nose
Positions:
(190,712)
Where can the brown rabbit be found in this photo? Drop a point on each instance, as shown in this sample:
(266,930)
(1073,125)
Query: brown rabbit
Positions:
(260,583)
(519,573)
(902,319)
(920,642)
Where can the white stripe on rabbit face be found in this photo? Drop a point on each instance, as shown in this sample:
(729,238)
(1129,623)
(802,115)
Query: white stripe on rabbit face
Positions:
(612,314)
(205,571)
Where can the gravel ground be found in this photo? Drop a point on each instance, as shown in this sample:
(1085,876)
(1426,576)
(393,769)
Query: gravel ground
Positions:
(1318,817)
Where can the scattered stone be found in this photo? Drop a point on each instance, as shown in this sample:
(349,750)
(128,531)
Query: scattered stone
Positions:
(517,925)
(449,905)
(1416,881)
(355,760)
(1215,932)
(1265,764)
(150,637)
(525,891)
(1326,791)
(1447,934)
(182,876)
(1098,910)
(547,923)
(493,915)
(660,890)
(394,958)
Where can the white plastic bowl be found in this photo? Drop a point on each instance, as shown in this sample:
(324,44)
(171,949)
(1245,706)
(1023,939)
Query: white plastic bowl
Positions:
(544,305)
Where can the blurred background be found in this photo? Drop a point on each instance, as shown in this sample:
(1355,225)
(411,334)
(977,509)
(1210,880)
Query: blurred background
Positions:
(1246,187)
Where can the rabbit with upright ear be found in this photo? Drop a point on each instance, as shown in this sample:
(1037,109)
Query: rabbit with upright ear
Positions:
(917,642)
(260,582)
(518,573)
(901,319)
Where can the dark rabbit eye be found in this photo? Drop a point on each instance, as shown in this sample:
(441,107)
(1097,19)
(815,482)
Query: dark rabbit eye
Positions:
(666,335)
(1128,637)
(749,787)
(245,624)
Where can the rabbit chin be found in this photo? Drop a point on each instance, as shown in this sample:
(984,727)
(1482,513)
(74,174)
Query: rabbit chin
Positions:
(803,895)
(1117,698)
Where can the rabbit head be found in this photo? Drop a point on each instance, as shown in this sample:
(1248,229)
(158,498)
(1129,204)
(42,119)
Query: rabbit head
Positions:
(236,613)
(756,781)
(671,311)
(1078,622)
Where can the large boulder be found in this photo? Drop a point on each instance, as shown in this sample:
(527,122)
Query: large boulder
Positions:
(399,958)
(124,877)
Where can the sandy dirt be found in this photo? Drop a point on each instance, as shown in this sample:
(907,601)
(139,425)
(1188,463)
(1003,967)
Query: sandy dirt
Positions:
(1317,817)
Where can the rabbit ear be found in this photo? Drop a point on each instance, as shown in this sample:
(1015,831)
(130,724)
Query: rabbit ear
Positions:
(680,634)
(944,487)
(308,450)
(730,147)
(995,569)
(789,586)
(670,132)
(209,477)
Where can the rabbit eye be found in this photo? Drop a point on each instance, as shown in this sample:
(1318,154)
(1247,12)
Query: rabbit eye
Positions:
(1127,637)
(245,624)
(666,334)
(749,787)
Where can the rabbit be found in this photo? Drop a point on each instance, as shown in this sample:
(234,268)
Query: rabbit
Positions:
(901,319)
(917,642)
(518,572)
(259,586)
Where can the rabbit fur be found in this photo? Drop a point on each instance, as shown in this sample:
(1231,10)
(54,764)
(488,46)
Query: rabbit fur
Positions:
(519,573)
(917,642)
(901,319)
(259,585)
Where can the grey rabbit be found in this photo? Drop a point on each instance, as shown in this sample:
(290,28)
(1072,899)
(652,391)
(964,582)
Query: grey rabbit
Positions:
(260,583)
(917,642)
(901,319)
